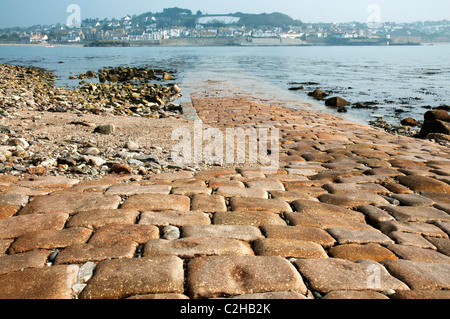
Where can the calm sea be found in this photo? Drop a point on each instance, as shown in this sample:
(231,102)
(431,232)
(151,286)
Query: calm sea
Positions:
(399,81)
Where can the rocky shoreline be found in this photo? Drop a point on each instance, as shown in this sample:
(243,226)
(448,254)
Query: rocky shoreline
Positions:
(118,126)
(438,130)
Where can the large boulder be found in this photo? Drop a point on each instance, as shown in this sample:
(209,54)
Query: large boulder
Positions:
(436,121)
(440,115)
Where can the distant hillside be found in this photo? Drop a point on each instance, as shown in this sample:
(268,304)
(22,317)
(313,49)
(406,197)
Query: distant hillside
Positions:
(275,19)
(185,18)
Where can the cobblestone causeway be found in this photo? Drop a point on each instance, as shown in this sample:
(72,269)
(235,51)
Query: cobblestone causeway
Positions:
(352,212)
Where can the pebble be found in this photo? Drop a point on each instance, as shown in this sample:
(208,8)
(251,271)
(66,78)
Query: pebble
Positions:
(105,129)
(171,233)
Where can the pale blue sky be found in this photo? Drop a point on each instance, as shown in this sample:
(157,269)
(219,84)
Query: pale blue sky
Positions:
(30,12)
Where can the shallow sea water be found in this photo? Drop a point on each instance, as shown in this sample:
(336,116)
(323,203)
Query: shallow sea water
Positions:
(399,81)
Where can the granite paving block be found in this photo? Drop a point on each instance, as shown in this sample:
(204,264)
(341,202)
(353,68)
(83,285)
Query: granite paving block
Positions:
(116,232)
(438,197)
(18,262)
(424,183)
(135,189)
(51,182)
(227,191)
(324,209)
(288,248)
(156,202)
(375,214)
(330,274)
(410,227)
(39,283)
(339,188)
(324,221)
(441,244)
(418,254)
(221,276)
(191,191)
(413,200)
(354,252)
(50,239)
(240,232)
(397,188)
(417,214)
(353,200)
(70,203)
(174,218)
(358,236)
(16,226)
(267,185)
(247,218)
(410,239)
(122,278)
(267,205)
(420,275)
(95,219)
(305,233)
(208,203)
(290,196)
(197,246)
(79,254)
(224,182)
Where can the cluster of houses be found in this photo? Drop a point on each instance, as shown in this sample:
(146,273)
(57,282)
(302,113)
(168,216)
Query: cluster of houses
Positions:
(212,27)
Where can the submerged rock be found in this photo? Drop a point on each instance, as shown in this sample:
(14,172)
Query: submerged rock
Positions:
(336,102)
(318,94)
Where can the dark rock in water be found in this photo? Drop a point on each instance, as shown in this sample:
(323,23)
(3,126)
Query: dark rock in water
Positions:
(435,126)
(409,121)
(297,88)
(337,102)
(318,94)
(342,109)
(437,115)
(365,105)
(443,107)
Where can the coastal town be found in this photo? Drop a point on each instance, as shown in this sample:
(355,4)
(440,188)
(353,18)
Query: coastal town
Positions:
(179,26)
